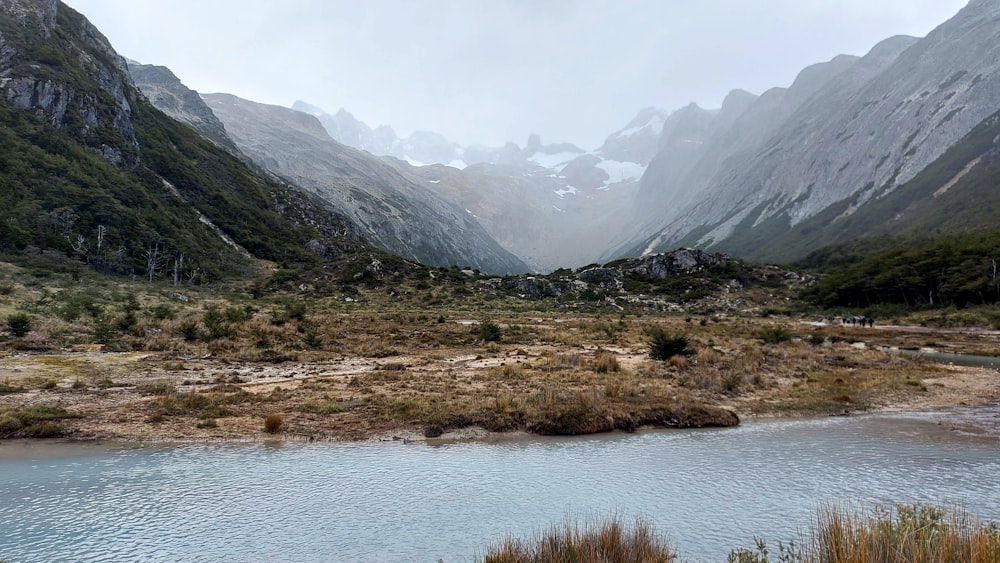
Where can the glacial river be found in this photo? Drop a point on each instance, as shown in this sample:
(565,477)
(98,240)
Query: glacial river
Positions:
(710,490)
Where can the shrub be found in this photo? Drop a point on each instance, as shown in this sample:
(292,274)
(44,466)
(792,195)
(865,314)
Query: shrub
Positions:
(489,331)
(19,324)
(606,362)
(663,346)
(189,330)
(273,423)
(775,335)
(731,383)
(162,312)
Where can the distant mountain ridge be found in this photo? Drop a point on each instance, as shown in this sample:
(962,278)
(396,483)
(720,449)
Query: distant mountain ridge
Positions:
(854,146)
(552,205)
(846,134)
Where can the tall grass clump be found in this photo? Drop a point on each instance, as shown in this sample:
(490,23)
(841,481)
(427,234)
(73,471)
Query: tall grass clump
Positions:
(273,423)
(19,324)
(842,533)
(663,345)
(607,542)
(914,533)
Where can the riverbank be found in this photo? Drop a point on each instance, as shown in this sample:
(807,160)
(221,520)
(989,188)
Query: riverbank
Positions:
(411,377)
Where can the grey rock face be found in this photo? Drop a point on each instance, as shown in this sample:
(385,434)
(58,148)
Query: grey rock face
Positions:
(638,141)
(49,94)
(670,264)
(169,95)
(850,131)
(392,210)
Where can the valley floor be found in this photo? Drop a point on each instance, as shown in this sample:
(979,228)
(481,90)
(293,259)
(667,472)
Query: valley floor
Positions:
(407,376)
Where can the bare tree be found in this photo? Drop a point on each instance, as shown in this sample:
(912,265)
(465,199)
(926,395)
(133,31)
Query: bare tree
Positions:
(156,255)
(178,264)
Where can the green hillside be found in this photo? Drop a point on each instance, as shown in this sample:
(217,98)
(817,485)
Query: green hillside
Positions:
(121,187)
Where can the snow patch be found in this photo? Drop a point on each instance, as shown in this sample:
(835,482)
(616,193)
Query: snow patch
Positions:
(460,164)
(619,172)
(562,193)
(436,182)
(415,163)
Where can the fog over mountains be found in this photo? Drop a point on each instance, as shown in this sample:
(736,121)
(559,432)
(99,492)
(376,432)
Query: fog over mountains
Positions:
(854,146)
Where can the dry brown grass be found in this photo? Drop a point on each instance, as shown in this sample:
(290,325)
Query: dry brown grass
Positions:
(916,533)
(353,371)
(609,542)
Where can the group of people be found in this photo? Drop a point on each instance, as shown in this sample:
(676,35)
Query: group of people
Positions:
(859,320)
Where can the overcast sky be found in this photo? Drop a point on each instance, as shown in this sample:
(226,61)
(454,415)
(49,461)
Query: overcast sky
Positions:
(489,71)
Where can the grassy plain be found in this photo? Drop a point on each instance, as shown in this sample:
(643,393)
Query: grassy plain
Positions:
(114,360)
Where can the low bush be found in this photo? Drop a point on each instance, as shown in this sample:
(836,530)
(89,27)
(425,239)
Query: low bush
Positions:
(19,324)
(663,345)
(775,335)
(273,423)
(489,331)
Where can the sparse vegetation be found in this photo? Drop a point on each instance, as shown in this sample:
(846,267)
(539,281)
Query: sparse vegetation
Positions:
(917,533)
(611,541)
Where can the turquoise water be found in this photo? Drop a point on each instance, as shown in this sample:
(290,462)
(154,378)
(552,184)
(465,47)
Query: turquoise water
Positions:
(709,490)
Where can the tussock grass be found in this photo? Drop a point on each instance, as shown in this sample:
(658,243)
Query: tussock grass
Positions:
(844,533)
(40,421)
(914,533)
(612,541)
(273,423)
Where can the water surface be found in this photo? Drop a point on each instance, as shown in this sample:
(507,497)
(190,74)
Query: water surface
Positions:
(710,490)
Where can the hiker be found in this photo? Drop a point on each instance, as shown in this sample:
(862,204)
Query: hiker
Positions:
(871,322)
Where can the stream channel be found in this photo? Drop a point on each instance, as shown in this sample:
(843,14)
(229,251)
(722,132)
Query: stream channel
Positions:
(708,490)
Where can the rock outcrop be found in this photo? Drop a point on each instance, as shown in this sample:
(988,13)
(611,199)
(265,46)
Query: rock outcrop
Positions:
(54,91)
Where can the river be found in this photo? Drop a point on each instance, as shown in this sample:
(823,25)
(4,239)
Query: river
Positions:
(710,490)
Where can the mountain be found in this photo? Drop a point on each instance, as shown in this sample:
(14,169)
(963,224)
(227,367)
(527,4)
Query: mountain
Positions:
(169,95)
(394,211)
(552,205)
(94,174)
(844,136)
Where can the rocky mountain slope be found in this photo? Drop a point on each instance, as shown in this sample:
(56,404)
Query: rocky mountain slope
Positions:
(395,212)
(844,135)
(94,175)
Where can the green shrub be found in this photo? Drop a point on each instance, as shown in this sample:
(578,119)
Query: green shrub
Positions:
(731,383)
(19,324)
(189,330)
(775,335)
(663,345)
(489,331)
(161,312)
